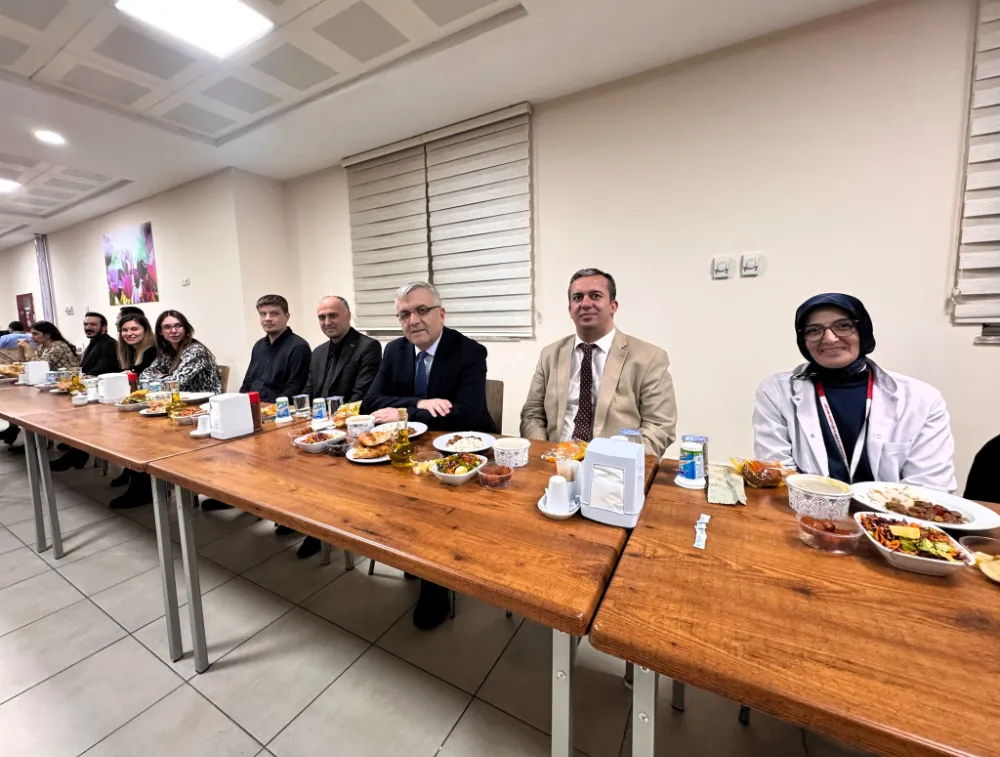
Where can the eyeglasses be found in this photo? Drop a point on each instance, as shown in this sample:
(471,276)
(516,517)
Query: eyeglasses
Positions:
(815,332)
(420,312)
(175,327)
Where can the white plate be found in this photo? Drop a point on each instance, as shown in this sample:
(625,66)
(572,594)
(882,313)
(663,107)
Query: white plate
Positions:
(8,380)
(441,443)
(574,508)
(153,413)
(979,518)
(925,565)
(416,428)
(191,397)
(350,456)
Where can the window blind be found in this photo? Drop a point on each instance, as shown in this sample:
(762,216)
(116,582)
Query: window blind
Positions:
(466,227)
(977,287)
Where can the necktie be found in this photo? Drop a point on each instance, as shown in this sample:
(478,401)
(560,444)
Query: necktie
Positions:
(420,383)
(583,425)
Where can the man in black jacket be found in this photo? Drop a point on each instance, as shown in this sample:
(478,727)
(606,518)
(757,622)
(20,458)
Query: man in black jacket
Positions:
(101,356)
(439,376)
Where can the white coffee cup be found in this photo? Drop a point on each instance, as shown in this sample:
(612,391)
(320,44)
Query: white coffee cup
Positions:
(557,495)
(358,424)
(204,424)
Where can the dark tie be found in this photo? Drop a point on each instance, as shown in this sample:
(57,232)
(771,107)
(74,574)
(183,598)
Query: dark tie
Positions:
(420,383)
(583,426)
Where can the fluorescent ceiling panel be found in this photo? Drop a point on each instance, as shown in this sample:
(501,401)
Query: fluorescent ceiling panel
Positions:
(6,186)
(220,27)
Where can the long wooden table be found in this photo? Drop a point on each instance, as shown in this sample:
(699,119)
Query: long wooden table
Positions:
(493,545)
(894,662)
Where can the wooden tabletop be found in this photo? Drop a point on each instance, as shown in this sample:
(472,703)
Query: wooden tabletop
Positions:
(894,662)
(493,545)
(19,401)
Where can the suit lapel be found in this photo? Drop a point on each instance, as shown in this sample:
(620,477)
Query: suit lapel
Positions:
(613,365)
(345,357)
(563,368)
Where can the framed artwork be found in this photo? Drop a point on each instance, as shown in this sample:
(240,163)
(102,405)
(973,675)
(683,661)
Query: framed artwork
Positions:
(130,265)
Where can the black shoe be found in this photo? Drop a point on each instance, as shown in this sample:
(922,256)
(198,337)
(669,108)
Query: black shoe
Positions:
(409,577)
(432,607)
(213,504)
(283,530)
(140,492)
(309,547)
(123,479)
(63,447)
(75,458)
(9,434)
(19,450)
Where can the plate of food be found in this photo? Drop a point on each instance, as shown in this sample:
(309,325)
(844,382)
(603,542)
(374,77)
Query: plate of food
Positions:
(192,397)
(268,412)
(914,545)
(464,441)
(153,412)
(371,447)
(317,442)
(188,416)
(416,428)
(926,505)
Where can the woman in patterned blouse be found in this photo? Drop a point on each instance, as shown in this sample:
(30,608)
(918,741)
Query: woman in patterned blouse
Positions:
(182,358)
(54,350)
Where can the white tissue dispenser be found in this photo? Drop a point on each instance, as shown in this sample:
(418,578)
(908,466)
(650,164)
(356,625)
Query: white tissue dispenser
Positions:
(112,388)
(230,415)
(34,372)
(613,482)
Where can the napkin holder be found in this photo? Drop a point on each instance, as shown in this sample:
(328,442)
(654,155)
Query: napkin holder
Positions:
(34,372)
(612,484)
(112,388)
(231,416)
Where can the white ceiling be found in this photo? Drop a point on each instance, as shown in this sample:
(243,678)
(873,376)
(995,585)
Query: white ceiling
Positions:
(143,113)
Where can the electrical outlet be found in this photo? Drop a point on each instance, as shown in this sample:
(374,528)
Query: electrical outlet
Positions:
(185,282)
(721,267)
(750,264)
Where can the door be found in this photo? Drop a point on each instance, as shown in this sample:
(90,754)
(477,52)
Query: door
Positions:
(26,309)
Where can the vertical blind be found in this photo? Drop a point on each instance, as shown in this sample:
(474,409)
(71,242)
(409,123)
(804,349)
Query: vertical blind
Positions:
(977,288)
(452,207)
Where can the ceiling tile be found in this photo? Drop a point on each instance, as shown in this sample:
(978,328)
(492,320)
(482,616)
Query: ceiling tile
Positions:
(11,50)
(9,174)
(50,193)
(16,160)
(361,32)
(143,53)
(240,95)
(443,12)
(197,118)
(37,14)
(73,186)
(103,85)
(86,175)
(290,65)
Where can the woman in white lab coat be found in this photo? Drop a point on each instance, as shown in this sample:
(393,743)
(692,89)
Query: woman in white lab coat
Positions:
(841,415)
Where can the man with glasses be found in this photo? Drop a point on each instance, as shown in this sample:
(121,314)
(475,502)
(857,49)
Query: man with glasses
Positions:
(439,376)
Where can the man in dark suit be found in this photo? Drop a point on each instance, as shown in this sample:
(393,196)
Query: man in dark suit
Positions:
(439,376)
(345,365)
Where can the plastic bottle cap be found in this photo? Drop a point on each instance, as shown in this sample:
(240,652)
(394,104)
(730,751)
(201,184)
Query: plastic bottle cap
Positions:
(254,397)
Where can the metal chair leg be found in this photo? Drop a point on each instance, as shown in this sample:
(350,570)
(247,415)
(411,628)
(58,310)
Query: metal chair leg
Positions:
(744,714)
(348,560)
(508,613)
(629,674)
(451,612)
(371,567)
(677,700)
(104,467)
(324,554)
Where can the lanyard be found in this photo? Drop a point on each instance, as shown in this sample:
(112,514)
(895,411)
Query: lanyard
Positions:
(852,466)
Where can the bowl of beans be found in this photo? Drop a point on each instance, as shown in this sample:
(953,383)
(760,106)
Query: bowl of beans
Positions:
(494,476)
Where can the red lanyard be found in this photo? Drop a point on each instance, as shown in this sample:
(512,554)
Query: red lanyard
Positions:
(852,465)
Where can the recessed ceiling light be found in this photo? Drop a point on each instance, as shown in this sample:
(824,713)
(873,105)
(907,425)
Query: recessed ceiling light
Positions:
(7,186)
(219,26)
(49,137)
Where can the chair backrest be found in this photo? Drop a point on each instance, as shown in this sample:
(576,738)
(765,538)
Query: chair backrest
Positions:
(224,375)
(494,402)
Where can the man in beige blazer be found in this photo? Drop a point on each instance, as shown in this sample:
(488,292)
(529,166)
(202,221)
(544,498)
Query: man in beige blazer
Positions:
(625,382)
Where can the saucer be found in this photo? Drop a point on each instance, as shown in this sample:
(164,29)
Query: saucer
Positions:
(574,508)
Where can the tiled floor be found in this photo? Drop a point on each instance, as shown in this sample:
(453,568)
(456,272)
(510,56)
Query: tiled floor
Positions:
(306,659)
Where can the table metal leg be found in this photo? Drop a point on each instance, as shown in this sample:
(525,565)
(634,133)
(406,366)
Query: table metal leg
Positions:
(166,551)
(563,660)
(42,447)
(677,696)
(34,485)
(348,560)
(644,712)
(185,503)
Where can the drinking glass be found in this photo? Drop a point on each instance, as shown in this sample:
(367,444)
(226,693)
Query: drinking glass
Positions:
(301,406)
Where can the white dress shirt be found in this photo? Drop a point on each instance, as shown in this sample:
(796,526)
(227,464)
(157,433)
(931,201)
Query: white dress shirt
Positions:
(601,348)
(429,360)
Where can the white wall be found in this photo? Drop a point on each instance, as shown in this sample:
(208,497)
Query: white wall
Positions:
(835,151)
(18,275)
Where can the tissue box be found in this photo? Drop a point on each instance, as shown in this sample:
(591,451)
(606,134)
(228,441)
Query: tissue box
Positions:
(613,482)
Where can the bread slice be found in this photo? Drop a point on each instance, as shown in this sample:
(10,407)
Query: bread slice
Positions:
(375,438)
(370,453)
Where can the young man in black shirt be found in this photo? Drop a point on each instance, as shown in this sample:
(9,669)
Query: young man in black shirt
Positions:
(279,362)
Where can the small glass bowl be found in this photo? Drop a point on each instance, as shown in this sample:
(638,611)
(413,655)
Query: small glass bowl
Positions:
(983,544)
(816,533)
(494,476)
(339,447)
